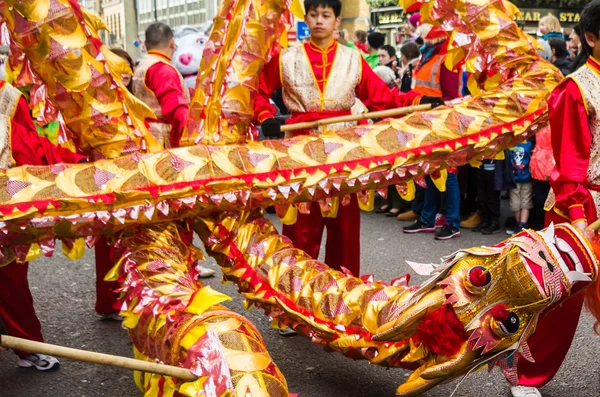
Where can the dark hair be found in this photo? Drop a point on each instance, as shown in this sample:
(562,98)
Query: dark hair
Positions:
(361,35)
(125,55)
(577,29)
(590,22)
(376,40)
(410,50)
(336,5)
(158,35)
(559,47)
(389,49)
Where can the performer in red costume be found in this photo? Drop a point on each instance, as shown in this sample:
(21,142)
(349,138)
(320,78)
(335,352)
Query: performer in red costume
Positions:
(322,79)
(20,144)
(573,109)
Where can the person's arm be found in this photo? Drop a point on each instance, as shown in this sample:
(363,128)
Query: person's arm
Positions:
(270,80)
(571,141)
(165,82)
(28,148)
(376,95)
(449,81)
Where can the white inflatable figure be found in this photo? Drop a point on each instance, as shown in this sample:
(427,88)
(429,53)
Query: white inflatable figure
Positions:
(190,43)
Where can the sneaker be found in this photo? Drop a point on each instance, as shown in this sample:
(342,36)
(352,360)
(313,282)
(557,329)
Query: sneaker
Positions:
(492,228)
(408,216)
(447,232)
(479,228)
(418,227)
(41,362)
(472,221)
(111,316)
(204,272)
(287,331)
(524,391)
(440,221)
(510,231)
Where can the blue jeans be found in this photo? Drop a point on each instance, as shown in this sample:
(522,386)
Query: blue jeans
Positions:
(417,204)
(432,198)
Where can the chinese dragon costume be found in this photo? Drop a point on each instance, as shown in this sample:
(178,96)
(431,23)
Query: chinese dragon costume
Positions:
(479,306)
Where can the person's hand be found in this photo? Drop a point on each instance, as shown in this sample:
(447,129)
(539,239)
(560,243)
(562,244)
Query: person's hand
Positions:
(581,225)
(271,128)
(433,100)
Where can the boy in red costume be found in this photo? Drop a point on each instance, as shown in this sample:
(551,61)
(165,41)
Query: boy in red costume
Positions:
(573,108)
(322,79)
(20,145)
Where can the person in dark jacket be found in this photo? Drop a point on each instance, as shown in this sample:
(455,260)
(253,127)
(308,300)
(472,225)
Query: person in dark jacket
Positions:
(409,57)
(559,55)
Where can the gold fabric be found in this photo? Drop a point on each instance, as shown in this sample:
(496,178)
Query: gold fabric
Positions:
(380,322)
(81,77)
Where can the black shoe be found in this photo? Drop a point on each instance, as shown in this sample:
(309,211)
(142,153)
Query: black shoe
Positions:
(418,227)
(492,228)
(480,227)
(447,232)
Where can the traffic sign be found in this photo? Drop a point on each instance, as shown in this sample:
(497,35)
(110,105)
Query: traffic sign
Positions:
(302,30)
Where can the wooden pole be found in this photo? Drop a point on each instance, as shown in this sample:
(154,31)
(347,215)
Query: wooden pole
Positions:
(11,342)
(355,117)
(594,226)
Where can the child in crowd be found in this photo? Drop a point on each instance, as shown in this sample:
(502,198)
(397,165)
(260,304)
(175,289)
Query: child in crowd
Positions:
(549,26)
(521,197)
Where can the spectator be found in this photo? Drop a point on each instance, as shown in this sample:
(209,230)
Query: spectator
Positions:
(432,78)
(549,26)
(125,77)
(387,55)
(386,74)
(360,40)
(559,55)
(582,55)
(541,165)
(521,197)
(546,52)
(409,57)
(574,42)
(375,41)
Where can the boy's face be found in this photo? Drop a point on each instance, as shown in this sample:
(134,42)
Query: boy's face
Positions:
(322,22)
(384,57)
(594,42)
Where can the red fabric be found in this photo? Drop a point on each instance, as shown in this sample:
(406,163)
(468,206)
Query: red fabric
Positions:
(164,80)
(450,82)
(361,46)
(442,332)
(16,304)
(107,300)
(28,148)
(542,159)
(371,90)
(571,142)
(343,235)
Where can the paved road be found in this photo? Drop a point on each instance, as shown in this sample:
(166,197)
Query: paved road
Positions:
(64,295)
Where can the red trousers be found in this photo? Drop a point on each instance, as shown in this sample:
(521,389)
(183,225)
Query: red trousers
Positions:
(343,235)
(16,304)
(107,300)
(553,335)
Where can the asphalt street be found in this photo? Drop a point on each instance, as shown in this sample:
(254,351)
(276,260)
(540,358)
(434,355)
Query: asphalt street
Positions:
(64,298)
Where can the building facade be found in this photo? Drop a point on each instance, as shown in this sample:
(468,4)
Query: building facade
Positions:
(175,13)
(121,19)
